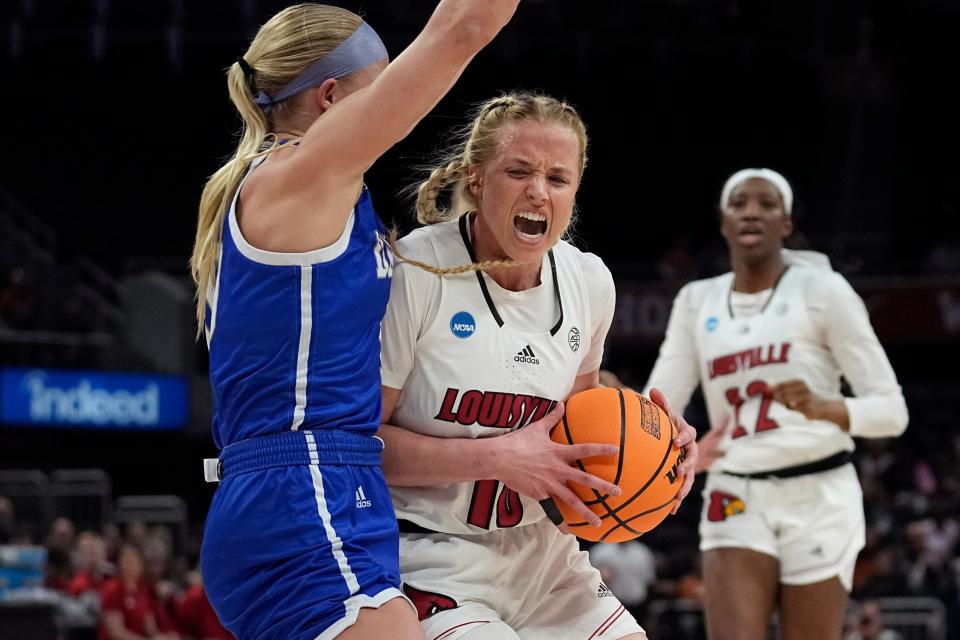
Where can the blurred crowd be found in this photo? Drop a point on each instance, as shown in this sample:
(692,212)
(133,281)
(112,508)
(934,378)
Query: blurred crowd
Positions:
(115,584)
(134,579)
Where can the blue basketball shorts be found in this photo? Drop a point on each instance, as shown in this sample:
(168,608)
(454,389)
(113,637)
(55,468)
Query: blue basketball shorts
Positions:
(300,536)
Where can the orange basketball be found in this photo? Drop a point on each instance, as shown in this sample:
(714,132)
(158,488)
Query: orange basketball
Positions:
(646,469)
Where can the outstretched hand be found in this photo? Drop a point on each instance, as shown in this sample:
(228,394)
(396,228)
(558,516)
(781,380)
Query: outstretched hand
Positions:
(710,445)
(687,440)
(532,464)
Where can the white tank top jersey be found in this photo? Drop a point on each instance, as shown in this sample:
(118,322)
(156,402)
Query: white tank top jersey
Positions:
(811,326)
(474,360)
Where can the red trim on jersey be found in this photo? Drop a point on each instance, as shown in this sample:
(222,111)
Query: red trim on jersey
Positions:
(443,634)
(606,624)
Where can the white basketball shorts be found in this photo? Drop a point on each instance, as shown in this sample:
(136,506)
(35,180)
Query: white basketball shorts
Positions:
(813,524)
(530,582)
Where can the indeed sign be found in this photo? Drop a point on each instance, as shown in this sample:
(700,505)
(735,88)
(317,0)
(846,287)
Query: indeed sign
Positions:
(92,399)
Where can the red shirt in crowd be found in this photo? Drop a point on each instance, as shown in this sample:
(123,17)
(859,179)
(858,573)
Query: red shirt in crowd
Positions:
(135,605)
(165,613)
(85,581)
(197,618)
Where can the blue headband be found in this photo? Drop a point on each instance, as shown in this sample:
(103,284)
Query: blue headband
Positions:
(360,50)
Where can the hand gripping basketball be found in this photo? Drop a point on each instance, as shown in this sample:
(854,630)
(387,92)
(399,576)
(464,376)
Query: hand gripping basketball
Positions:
(647,467)
(532,464)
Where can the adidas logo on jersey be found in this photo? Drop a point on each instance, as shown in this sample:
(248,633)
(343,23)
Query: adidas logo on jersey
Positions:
(526,355)
(362,502)
(603,591)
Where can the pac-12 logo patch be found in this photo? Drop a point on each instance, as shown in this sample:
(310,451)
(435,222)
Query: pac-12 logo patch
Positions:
(712,323)
(573,339)
(462,324)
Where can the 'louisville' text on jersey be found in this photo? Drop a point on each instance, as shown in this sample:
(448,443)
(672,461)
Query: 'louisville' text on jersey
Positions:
(748,359)
(492,408)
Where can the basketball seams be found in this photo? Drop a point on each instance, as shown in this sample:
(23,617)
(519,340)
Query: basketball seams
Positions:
(618,519)
(623,437)
(653,476)
(624,523)
(600,499)
(648,511)
(636,495)
(566,432)
(634,517)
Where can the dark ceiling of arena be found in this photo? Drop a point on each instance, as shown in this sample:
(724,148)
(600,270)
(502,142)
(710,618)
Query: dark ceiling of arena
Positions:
(117,111)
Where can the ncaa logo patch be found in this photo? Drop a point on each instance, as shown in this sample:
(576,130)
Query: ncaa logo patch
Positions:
(712,323)
(462,324)
(573,339)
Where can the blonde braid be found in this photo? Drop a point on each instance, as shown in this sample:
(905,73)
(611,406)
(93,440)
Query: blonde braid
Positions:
(448,271)
(430,189)
(494,104)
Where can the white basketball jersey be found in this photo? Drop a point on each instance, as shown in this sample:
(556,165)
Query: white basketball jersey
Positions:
(742,358)
(466,370)
(811,326)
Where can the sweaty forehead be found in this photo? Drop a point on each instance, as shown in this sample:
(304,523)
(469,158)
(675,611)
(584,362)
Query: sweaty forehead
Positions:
(538,139)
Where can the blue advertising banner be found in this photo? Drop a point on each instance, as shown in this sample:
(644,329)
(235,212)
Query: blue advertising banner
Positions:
(93,399)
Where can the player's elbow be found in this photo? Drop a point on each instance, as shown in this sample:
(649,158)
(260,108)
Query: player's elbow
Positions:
(899,417)
(879,416)
(471,34)
(469,30)
(895,420)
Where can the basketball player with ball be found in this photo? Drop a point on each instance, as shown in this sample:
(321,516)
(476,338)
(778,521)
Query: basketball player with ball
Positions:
(768,342)
(493,321)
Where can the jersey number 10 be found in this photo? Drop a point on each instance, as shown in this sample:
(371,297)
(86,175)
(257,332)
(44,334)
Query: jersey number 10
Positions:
(509,507)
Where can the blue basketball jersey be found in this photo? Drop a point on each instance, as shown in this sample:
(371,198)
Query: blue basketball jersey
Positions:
(301,533)
(294,338)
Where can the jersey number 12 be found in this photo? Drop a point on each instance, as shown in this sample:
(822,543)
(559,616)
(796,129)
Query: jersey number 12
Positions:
(756,389)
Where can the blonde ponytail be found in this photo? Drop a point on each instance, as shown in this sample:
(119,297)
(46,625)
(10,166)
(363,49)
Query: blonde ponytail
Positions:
(221,186)
(284,46)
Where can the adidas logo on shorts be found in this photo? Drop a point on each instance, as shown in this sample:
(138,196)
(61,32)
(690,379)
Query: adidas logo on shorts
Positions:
(362,502)
(526,355)
(603,591)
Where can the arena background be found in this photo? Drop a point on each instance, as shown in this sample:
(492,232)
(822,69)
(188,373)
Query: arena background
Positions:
(116,111)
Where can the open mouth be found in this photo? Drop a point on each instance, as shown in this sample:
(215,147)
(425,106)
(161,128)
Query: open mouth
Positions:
(530,226)
(750,235)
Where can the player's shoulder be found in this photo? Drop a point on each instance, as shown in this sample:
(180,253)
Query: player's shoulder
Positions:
(827,290)
(822,284)
(694,292)
(422,243)
(589,264)
(813,270)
